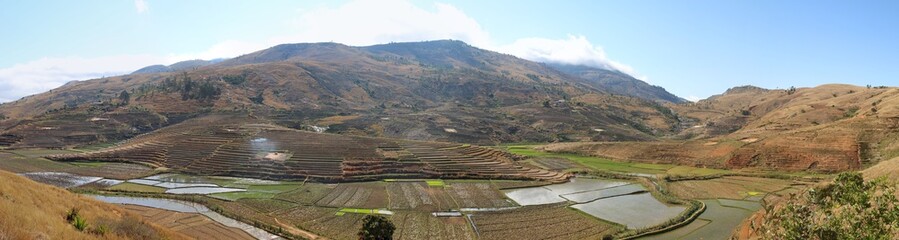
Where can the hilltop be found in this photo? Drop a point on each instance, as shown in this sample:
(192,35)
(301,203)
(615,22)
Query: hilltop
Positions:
(437,90)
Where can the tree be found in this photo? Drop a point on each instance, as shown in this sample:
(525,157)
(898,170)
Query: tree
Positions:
(125,97)
(376,228)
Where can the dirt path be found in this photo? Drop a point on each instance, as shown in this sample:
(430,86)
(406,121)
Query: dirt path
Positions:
(297,231)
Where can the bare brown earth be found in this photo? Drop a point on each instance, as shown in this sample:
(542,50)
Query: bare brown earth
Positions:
(827,128)
(232,145)
(29,210)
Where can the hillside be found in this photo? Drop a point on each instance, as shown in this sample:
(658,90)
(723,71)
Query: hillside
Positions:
(176,67)
(438,91)
(30,210)
(825,128)
(618,83)
(232,145)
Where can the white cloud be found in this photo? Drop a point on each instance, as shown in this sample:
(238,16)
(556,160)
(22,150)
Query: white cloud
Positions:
(226,49)
(573,50)
(47,73)
(693,98)
(141,6)
(369,22)
(357,23)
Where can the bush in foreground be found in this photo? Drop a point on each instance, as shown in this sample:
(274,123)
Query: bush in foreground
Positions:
(376,228)
(850,208)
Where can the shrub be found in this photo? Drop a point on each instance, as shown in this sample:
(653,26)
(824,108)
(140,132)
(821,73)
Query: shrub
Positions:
(376,227)
(235,79)
(850,208)
(80,223)
(100,230)
(71,215)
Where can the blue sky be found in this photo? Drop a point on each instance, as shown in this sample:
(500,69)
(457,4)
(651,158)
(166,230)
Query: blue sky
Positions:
(692,48)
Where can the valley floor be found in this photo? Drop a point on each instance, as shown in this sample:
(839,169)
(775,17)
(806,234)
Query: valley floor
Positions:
(474,209)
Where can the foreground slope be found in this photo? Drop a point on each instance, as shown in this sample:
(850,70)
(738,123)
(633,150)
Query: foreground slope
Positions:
(229,145)
(29,210)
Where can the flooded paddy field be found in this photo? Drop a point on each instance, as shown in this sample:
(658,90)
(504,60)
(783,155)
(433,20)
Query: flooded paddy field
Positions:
(635,211)
(718,221)
(616,201)
(470,209)
(554,193)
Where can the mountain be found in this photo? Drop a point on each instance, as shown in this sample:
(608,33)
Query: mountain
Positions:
(828,128)
(451,92)
(437,90)
(618,83)
(179,66)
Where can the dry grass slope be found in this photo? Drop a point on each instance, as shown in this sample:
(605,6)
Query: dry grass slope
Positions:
(29,210)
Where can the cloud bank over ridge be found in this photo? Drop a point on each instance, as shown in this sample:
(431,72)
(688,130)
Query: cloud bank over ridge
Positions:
(384,22)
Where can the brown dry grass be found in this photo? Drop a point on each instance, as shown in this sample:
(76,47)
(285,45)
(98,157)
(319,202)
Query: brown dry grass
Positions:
(726,187)
(888,169)
(332,120)
(29,210)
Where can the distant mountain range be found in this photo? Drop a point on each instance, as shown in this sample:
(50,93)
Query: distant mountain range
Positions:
(436,90)
(450,91)
(179,66)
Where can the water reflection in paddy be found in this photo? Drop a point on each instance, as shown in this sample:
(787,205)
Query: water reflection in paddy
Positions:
(583,197)
(553,193)
(635,211)
(622,202)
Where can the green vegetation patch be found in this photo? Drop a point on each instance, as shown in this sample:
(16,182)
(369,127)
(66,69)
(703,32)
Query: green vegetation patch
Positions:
(435,183)
(234,196)
(90,164)
(694,171)
(275,188)
(34,153)
(133,187)
(363,211)
(599,163)
(19,163)
(850,208)
(266,205)
(306,194)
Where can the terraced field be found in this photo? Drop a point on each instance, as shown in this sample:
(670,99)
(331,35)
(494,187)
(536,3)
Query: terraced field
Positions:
(735,187)
(190,224)
(271,152)
(540,222)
